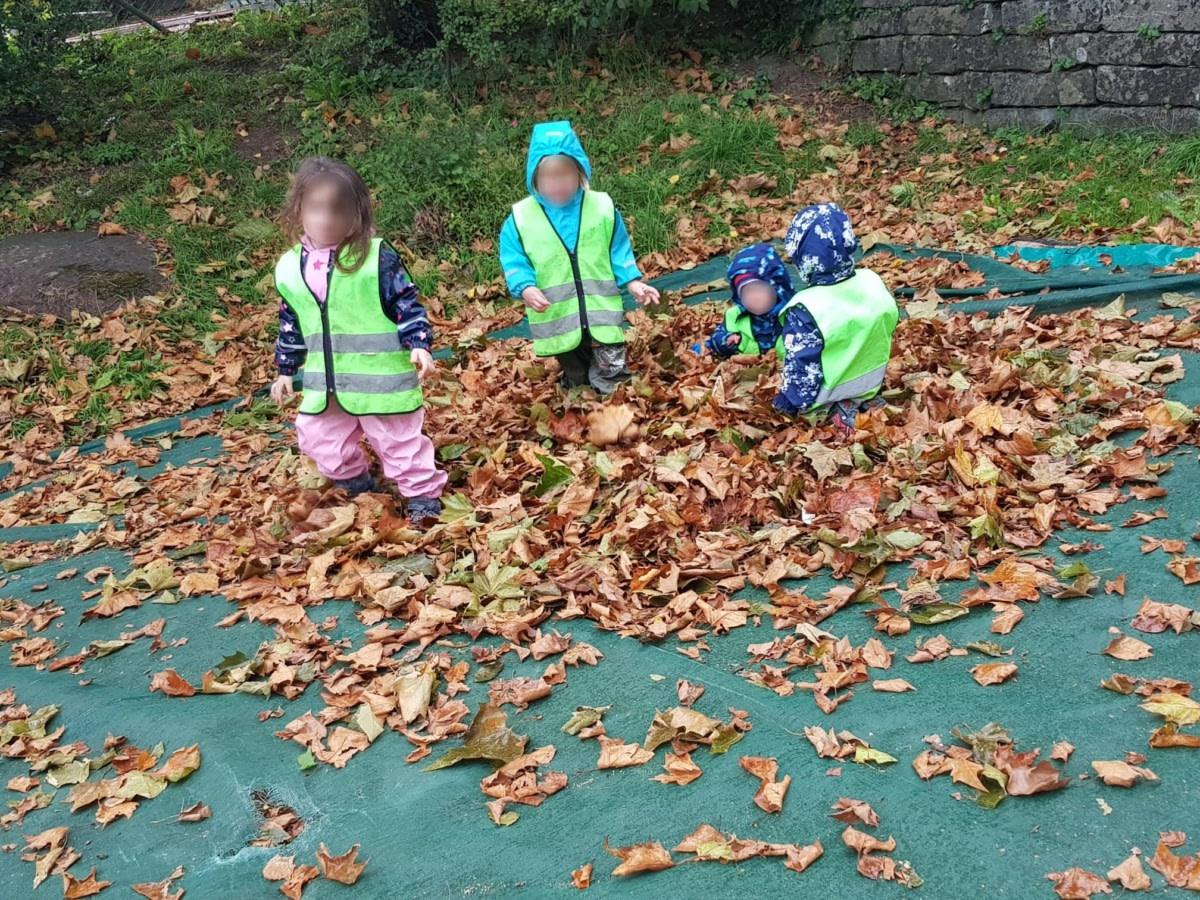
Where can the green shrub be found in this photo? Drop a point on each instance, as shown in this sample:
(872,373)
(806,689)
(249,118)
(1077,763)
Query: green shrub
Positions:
(34,51)
(488,32)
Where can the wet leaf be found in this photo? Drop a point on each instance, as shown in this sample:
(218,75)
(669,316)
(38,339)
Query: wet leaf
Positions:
(488,737)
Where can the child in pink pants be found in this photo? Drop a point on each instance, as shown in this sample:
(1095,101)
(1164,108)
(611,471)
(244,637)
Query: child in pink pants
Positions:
(329,208)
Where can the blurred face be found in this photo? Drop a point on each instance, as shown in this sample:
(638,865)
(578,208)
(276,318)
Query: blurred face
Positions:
(557,179)
(758,297)
(323,214)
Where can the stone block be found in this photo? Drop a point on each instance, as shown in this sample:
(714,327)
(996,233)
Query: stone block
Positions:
(1147,86)
(1018,16)
(982,18)
(1165,15)
(984,90)
(938,55)
(1105,48)
(1109,119)
(879,54)
(877,23)
(965,89)
(905,4)
(1069,88)
(1031,118)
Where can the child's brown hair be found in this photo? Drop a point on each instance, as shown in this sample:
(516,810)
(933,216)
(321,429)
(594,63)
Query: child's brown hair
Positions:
(353,197)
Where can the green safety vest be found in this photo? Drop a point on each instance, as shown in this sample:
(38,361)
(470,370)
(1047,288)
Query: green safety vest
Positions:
(737,321)
(857,318)
(354,354)
(580,285)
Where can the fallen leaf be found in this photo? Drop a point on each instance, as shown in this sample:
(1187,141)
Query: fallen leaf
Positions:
(582,877)
(1118,773)
(771,792)
(161,890)
(849,810)
(648,857)
(74,888)
(678,769)
(1078,884)
(197,812)
(488,737)
(1130,874)
(172,684)
(1062,751)
(1128,648)
(612,424)
(616,754)
(1179,871)
(344,869)
(892,686)
(993,673)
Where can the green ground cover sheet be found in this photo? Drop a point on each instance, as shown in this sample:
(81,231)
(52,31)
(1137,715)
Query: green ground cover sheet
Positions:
(427,834)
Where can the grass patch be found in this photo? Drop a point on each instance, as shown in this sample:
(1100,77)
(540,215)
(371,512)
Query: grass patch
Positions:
(446,160)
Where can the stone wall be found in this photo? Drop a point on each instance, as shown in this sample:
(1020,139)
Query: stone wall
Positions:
(1102,65)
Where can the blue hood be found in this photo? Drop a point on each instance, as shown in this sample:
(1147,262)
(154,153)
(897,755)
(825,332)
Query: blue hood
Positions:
(762,263)
(554,139)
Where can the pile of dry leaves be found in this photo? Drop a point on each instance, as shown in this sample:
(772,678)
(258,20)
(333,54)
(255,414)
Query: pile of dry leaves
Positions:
(647,515)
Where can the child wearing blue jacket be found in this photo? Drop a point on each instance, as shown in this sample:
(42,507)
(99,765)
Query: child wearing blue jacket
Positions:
(833,337)
(760,287)
(566,253)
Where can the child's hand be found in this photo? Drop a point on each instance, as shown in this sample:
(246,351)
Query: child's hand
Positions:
(643,293)
(733,340)
(282,390)
(422,360)
(535,299)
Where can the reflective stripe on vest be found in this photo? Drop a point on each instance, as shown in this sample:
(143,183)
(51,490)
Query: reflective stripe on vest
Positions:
(354,352)
(857,318)
(581,288)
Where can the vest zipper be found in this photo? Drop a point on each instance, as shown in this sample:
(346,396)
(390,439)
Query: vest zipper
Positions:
(326,342)
(328,347)
(572,255)
(325,339)
(583,320)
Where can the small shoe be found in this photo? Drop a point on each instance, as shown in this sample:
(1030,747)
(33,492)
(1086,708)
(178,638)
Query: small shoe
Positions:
(359,484)
(844,416)
(424,509)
